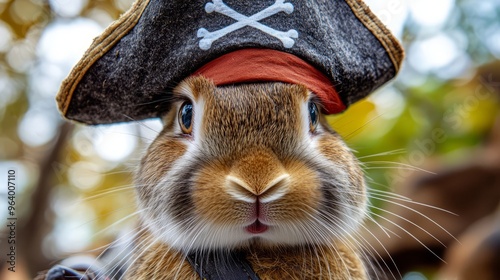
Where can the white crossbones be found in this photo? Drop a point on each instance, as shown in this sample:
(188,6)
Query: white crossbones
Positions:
(242,21)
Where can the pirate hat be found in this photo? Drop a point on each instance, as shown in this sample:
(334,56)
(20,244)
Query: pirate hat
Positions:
(337,48)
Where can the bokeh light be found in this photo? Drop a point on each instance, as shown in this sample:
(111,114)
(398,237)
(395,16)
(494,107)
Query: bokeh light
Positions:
(430,13)
(37,127)
(115,143)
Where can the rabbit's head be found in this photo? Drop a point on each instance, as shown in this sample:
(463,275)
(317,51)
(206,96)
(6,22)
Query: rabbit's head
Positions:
(248,164)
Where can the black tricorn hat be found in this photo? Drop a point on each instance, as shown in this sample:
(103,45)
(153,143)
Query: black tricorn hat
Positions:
(130,70)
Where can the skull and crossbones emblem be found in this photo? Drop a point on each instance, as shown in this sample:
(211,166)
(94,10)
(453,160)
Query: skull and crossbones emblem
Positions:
(241,21)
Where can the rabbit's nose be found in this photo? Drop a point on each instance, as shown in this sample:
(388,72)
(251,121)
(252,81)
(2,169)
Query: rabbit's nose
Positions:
(248,192)
(257,173)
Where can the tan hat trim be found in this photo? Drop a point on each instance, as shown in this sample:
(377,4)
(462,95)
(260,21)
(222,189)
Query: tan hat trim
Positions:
(100,46)
(384,35)
(119,28)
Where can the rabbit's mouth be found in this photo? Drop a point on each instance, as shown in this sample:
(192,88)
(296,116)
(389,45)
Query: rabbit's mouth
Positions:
(257,227)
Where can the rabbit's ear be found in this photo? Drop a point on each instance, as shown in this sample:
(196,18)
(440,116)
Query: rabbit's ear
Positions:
(129,71)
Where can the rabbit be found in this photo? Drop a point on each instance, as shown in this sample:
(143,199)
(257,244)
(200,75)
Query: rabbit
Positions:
(250,167)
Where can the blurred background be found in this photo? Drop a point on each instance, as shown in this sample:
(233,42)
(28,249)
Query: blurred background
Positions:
(432,136)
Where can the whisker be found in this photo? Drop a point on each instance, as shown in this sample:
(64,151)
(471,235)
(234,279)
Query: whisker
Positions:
(388,153)
(405,199)
(423,215)
(404,165)
(107,192)
(412,223)
(95,219)
(354,132)
(411,235)
(140,123)
(104,270)
(119,221)
(389,194)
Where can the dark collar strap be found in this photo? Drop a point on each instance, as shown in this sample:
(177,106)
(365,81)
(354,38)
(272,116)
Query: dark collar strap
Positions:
(222,265)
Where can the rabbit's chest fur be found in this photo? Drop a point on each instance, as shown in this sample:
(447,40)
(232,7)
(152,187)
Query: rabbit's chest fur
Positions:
(163,262)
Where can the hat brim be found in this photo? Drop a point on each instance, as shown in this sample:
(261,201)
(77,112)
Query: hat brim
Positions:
(129,71)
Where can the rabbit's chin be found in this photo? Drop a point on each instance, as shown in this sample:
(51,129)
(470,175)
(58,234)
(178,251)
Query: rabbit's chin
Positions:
(204,236)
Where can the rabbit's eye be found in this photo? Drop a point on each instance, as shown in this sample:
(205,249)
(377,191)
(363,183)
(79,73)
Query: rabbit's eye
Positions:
(313,115)
(186,117)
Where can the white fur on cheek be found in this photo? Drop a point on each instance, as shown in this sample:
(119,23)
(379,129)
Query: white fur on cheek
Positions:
(165,227)
(199,111)
(349,215)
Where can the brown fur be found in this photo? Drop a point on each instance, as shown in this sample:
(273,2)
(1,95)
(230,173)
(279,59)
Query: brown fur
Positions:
(314,263)
(252,142)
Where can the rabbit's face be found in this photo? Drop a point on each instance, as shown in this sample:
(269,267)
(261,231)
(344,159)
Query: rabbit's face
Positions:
(248,164)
